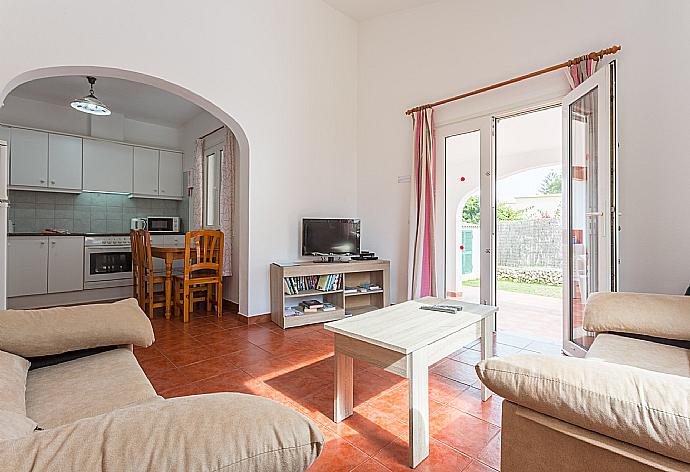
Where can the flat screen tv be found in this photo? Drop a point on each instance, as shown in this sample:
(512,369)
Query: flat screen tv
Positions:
(330,236)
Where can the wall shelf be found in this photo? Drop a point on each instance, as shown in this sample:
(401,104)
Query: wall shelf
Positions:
(309,293)
(369,292)
(352,274)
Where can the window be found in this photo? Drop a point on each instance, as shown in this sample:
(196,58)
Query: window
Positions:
(213,158)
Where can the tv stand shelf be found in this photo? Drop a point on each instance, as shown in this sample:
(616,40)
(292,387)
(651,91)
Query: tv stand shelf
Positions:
(352,274)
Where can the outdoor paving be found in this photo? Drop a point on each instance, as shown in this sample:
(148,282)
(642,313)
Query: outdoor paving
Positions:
(532,316)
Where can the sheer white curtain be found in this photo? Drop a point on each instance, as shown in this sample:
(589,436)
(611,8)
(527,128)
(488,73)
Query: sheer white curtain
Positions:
(227,199)
(198,186)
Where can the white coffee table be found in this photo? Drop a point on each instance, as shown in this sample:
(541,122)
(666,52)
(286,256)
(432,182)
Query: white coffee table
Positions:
(405,340)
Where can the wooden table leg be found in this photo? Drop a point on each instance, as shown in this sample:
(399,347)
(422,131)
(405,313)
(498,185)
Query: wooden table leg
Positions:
(343,398)
(418,420)
(487,346)
(168,284)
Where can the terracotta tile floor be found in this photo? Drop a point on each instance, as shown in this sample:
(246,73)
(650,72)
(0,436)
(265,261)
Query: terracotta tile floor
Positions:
(295,367)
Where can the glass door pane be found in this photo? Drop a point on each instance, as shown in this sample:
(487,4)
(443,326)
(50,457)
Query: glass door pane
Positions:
(462,216)
(585,212)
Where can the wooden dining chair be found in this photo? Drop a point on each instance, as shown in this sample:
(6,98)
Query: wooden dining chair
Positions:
(137,267)
(203,272)
(150,298)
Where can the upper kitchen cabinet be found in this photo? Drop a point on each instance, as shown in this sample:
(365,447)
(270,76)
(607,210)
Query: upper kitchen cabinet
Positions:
(146,171)
(64,162)
(40,160)
(108,166)
(28,158)
(170,174)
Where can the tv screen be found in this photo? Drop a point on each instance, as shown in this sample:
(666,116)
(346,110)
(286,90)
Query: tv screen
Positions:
(323,236)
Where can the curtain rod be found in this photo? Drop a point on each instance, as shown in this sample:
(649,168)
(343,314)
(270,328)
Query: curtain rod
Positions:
(592,55)
(209,134)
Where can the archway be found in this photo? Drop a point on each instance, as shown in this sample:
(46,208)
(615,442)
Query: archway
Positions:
(211,108)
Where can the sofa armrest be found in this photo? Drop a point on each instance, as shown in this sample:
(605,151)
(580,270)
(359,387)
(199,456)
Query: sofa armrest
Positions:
(36,333)
(215,432)
(640,407)
(660,316)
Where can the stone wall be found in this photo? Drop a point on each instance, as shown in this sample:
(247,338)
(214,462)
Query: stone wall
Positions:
(530,251)
(529,243)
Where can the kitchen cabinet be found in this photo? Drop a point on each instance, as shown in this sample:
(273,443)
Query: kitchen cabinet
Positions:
(65,264)
(146,171)
(28,158)
(27,264)
(64,162)
(108,166)
(170,174)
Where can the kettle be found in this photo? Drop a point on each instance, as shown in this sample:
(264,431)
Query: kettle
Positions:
(138,223)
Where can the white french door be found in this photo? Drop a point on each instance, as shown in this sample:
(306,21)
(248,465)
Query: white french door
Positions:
(465,210)
(589,201)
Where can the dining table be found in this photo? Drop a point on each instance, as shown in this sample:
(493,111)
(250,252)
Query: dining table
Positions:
(169,254)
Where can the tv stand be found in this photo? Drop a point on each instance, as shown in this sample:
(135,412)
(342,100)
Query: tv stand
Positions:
(352,274)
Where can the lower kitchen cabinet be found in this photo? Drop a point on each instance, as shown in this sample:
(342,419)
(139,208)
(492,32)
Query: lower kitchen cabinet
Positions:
(66,264)
(27,266)
(40,265)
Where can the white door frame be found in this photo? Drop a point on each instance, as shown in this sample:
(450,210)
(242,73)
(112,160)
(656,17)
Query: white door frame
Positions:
(487,206)
(607,149)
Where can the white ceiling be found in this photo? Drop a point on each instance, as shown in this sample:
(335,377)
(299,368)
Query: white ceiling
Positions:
(132,99)
(366,9)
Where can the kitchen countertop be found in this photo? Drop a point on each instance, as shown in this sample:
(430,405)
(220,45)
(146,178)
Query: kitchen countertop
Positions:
(88,234)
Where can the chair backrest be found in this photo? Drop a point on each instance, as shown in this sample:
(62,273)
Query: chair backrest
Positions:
(137,263)
(203,251)
(145,248)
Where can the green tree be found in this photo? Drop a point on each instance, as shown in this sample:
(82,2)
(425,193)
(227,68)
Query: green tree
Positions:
(505,212)
(471,214)
(552,183)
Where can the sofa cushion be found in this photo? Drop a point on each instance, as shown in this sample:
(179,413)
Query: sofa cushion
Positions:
(13,420)
(649,314)
(86,387)
(34,333)
(643,408)
(647,355)
(222,432)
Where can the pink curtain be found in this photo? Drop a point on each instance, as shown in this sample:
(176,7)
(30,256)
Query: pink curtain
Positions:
(580,72)
(422,260)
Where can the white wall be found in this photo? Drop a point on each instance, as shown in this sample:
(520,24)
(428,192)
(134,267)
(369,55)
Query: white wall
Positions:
(21,111)
(285,71)
(471,44)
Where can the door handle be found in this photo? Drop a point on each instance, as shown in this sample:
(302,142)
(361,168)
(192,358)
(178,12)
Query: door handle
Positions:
(594,213)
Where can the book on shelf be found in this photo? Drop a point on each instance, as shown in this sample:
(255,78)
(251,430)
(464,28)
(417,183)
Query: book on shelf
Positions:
(312,304)
(322,283)
(329,307)
(293,311)
(349,290)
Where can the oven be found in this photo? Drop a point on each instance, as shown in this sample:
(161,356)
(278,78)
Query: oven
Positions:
(163,224)
(107,261)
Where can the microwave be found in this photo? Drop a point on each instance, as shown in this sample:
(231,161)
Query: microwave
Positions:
(162,224)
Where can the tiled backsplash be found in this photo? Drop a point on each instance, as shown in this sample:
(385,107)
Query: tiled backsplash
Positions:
(84,212)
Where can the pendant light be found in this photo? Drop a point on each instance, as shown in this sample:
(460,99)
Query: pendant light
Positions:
(90,104)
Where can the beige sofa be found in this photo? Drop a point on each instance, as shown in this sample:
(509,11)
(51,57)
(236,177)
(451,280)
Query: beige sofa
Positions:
(99,412)
(624,408)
